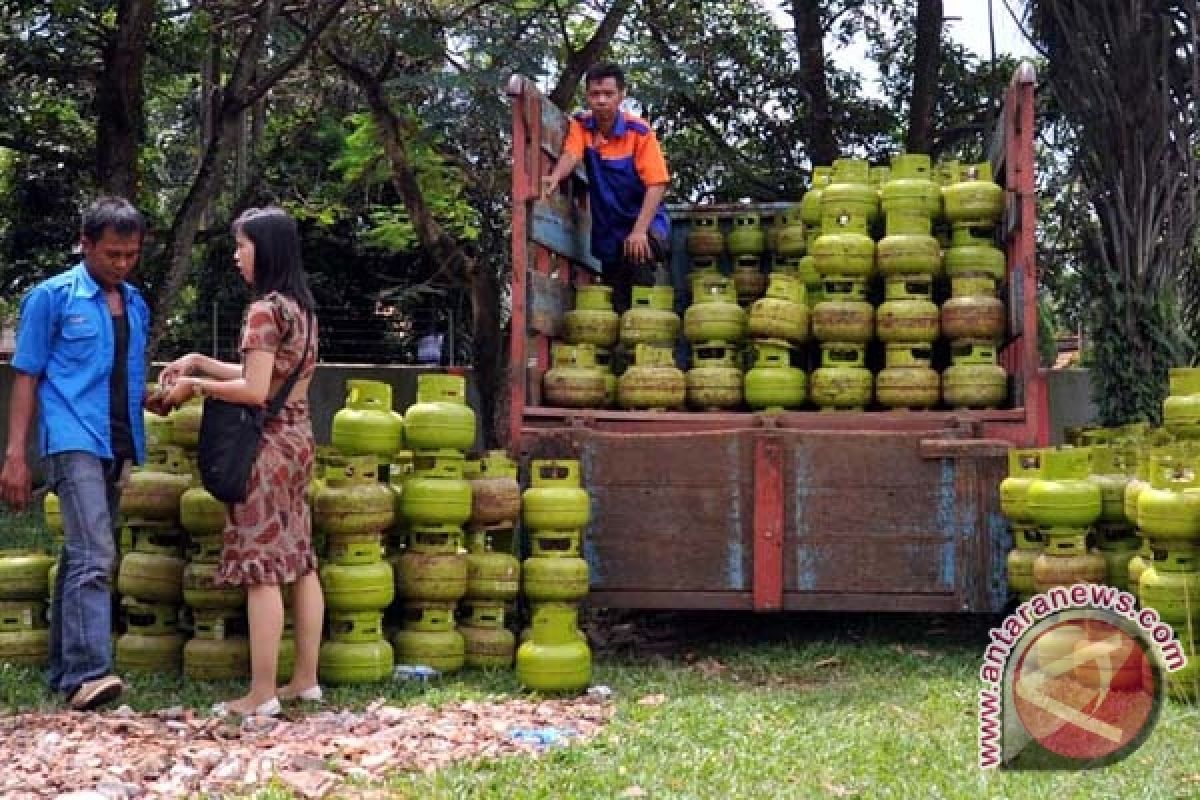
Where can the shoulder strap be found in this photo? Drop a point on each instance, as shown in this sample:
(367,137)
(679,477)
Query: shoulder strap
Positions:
(281,396)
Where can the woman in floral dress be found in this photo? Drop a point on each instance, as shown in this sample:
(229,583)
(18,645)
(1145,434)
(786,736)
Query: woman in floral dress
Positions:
(267,541)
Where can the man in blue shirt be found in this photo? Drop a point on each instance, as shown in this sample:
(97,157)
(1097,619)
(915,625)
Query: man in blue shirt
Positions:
(627,180)
(80,360)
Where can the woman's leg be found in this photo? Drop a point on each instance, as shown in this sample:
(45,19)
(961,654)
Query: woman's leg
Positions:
(308,612)
(264,606)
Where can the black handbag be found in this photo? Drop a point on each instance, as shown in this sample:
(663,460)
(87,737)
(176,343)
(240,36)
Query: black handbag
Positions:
(231,434)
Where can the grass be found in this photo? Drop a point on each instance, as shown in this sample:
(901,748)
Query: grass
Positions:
(780,706)
(756,707)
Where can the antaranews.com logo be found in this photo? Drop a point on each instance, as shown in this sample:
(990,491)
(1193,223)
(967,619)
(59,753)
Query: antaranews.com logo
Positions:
(1074,678)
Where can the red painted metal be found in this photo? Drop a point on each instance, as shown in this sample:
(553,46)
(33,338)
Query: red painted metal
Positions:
(522,178)
(1021,357)
(768,525)
(892,510)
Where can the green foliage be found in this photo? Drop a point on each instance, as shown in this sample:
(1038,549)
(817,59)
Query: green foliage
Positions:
(1047,343)
(364,164)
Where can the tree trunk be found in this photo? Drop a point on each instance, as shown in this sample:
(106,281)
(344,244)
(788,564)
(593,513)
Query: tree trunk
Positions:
(810,45)
(926,65)
(454,262)
(119,102)
(235,95)
(579,61)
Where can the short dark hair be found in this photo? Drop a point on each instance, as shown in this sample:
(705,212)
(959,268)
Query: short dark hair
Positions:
(277,264)
(112,212)
(605,69)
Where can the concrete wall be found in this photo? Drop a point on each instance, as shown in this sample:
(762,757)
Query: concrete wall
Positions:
(327,394)
(1071,405)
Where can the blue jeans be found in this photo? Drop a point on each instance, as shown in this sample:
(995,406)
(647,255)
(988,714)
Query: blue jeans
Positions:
(81,614)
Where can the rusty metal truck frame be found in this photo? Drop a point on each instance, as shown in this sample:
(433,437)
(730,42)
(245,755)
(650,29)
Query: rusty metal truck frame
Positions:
(850,511)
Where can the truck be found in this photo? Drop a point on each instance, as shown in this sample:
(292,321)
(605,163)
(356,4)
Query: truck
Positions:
(791,511)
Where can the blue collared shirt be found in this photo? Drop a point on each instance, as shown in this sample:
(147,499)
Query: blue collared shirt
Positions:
(65,340)
(619,168)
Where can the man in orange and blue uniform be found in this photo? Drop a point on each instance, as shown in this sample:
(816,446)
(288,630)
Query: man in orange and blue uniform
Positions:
(627,179)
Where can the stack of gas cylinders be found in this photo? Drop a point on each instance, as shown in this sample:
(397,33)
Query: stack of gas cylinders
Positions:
(1121,508)
(880,289)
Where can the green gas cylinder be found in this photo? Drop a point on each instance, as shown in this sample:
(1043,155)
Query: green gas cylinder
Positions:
(910,188)
(367,425)
(573,380)
(200,513)
(973,312)
(773,384)
(651,318)
(151,577)
(354,548)
(554,659)
(974,380)
(491,574)
(1024,467)
(704,236)
(1020,561)
(844,248)
(1171,586)
(185,423)
(746,235)
(911,387)
(344,663)
(653,382)
(1066,560)
(355,626)
(975,198)
(222,659)
(842,382)
(749,281)
(783,312)
(1181,408)
(441,417)
(563,579)
(714,315)
(24,574)
(810,204)
(352,500)
(22,615)
(488,644)
(52,511)
(1118,544)
(157,429)
(908,313)
(714,382)
(436,493)
(432,576)
(1062,496)
(1169,509)
(1111,468)
(156,654)
(154,490)
(844,315)
(972,252)
(25,647)
(444,651)
(201,590)
(790,236)
(495,493)
(593,320)
(357,587)
(849,194)
(149,619)
(909,247)
(555,498)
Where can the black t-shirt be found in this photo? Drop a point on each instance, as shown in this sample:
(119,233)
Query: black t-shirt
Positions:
(118,385)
